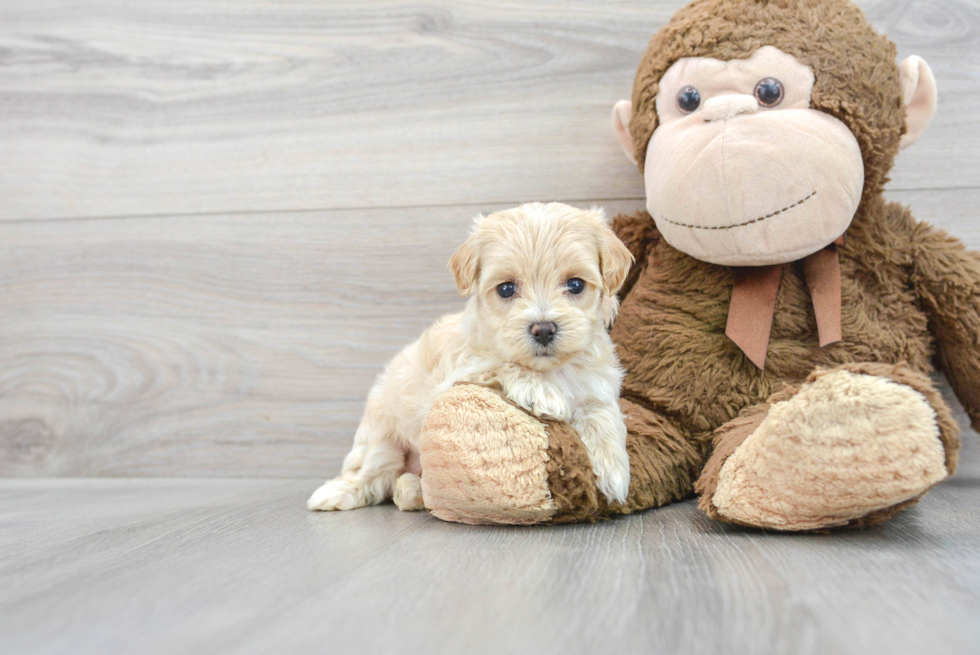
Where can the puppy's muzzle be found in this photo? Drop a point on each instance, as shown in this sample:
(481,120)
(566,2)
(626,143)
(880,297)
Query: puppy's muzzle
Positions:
(543,333)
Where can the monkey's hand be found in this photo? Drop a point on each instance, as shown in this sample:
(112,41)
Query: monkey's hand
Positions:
(947,279)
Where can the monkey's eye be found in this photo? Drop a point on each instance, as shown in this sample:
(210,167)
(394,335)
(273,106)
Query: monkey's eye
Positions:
(575,285)
(506,289)
(688,99)
(769,92)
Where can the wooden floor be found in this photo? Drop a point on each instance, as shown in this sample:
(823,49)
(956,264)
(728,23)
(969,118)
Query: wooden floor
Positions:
(239,566)
(219,219)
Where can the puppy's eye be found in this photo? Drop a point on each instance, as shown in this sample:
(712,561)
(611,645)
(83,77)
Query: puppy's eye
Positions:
(769,92)
(506,289)
(688,99)
(575,285)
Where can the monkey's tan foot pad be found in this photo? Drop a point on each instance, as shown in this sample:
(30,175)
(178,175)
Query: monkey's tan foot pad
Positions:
(847,448)
(485,460)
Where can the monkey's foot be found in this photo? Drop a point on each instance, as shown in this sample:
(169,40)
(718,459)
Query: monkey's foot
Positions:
(854,445)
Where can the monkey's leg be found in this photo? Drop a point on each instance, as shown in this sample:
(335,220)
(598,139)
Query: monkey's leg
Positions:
(851,446)
(485,460)
(664,459)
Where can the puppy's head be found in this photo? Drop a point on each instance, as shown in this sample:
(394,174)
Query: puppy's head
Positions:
(542,281)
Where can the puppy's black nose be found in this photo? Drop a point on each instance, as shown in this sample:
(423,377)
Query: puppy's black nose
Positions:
(543,333)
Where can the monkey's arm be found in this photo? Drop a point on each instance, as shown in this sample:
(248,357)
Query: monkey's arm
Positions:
(947,279)
(635,231)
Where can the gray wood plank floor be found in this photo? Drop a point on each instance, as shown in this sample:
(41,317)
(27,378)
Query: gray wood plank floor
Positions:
(221,566)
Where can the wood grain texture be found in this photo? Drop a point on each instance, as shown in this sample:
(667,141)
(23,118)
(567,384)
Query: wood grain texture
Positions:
(228,345)
(214,330)
(239,566)
(114,108)
(177,340)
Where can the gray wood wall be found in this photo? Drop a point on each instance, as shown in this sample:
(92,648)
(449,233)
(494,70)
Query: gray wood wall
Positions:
(219,220)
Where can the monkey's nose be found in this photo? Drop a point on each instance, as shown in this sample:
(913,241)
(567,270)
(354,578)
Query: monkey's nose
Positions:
(728,106)
(543,333)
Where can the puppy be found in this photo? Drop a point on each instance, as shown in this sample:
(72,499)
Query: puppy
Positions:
(542,282)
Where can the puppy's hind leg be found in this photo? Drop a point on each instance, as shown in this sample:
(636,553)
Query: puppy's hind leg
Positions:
(408,492)
(370,469)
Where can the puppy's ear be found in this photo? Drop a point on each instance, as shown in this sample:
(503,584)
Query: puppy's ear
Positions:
(614,265)
(465,265)
(615,260)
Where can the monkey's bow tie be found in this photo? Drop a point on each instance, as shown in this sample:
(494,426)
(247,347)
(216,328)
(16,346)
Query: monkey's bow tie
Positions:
(754,301)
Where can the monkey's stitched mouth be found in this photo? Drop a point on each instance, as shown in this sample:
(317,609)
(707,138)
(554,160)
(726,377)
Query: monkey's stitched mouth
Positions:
(754,220)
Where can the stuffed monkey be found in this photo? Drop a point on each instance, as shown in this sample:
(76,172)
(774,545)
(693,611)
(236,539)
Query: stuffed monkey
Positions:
(782,319)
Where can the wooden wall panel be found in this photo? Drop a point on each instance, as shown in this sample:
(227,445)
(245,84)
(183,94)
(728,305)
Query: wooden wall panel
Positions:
(117,108)
(227,345)
(219,220)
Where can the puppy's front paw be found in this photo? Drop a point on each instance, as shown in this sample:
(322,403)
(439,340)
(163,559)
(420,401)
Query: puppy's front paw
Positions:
(539,399)
(603,434)
(550,404)
(612,472)
(408,493)
(521,392)
(339,493)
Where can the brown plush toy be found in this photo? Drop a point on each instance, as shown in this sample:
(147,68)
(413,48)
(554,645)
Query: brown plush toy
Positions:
(779,325)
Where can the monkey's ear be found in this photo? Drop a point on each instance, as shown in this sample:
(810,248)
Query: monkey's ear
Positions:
(622,113)
(465,265)
(919,96)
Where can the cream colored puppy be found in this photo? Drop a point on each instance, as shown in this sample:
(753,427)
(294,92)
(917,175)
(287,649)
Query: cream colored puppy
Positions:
(542,282)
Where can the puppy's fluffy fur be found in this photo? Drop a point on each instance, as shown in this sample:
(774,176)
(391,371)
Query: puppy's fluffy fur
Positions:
(574,377)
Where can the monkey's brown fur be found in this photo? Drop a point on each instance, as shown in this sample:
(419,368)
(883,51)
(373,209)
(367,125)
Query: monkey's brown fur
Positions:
(910,293)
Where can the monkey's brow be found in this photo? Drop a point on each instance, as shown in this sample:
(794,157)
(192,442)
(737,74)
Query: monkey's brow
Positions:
(754,220)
